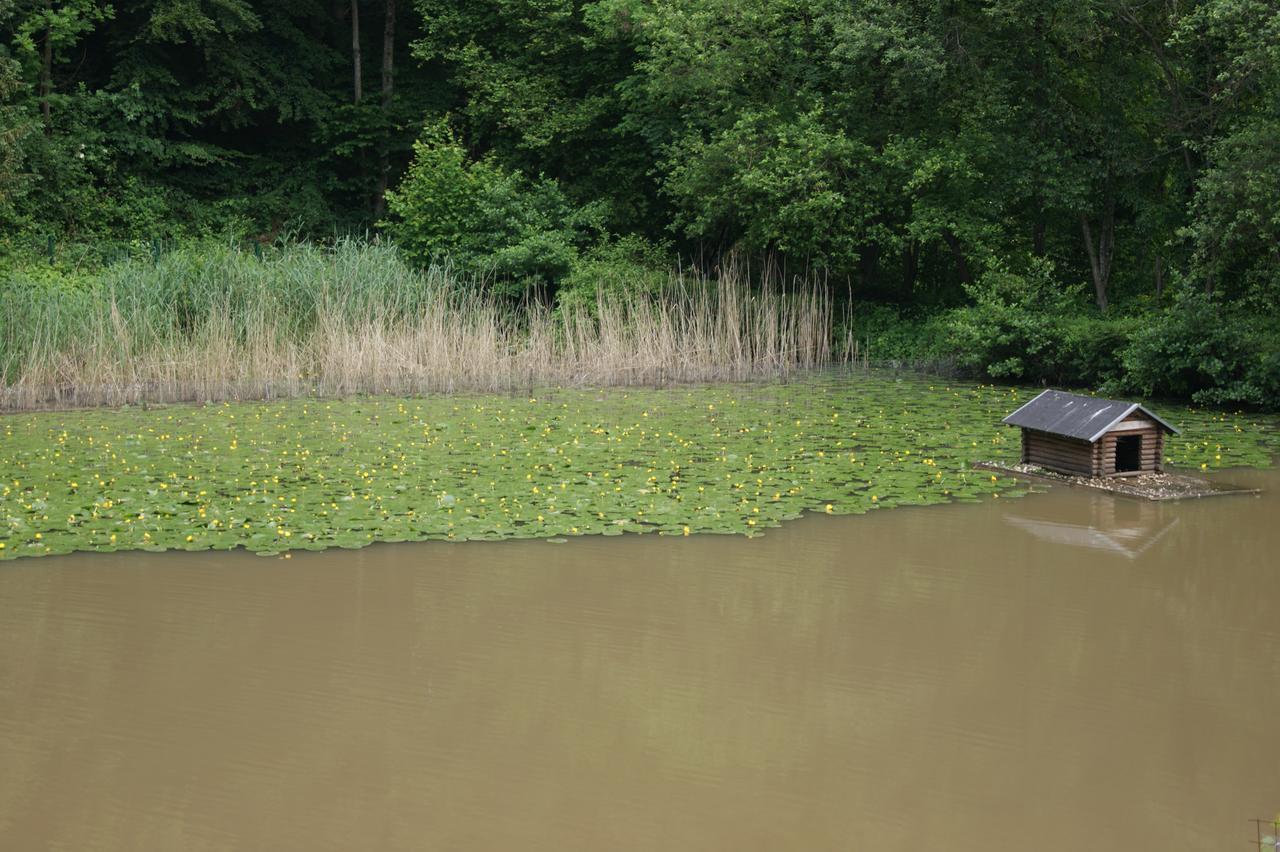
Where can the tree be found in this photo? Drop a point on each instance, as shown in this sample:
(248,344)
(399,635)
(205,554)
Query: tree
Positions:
(914,148)
(43,34)
(14,127)
(1234,228)
(356,72)
(388,88)
(535,82)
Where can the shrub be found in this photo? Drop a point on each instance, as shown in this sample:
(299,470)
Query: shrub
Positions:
(1027,327)
(1199,350)
(889,333)
(491,224)
(626,265)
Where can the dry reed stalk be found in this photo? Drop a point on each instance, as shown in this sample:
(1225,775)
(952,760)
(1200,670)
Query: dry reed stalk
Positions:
(696,331)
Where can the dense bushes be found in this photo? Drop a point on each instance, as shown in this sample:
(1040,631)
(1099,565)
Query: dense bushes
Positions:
(1200,350)
(890,334)
(627,265)
(488,221)
(511,233)
(1027,328)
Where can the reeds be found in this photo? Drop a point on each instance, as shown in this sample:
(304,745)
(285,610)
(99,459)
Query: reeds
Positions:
(216,323)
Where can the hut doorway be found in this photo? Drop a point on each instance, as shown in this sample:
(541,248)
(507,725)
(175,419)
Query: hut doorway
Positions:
(1128,453)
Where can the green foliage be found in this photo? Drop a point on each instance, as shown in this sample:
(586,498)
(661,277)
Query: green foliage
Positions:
(1233,221)
(1199,350)
(887,333)
(1028,328)
(163,300)
(774,184)
(1236,226)
(769,119)
(492,224)
(1021,328)
(629,265)
(14,128)
(55,27)
(902,145)
(172,117)
(922,154)
(535,83)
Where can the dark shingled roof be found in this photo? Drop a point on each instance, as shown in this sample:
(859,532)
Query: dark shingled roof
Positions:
(1085,417)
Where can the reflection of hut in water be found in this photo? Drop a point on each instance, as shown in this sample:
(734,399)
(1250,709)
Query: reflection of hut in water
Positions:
(1074,434)
(1116,524)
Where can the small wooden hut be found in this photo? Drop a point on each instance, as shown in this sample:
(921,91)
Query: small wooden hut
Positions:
(1087,436)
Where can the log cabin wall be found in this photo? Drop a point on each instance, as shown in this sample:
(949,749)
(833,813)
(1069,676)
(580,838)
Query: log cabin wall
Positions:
(1056,452)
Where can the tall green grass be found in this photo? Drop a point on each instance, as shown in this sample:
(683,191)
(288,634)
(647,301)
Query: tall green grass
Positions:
(212,322)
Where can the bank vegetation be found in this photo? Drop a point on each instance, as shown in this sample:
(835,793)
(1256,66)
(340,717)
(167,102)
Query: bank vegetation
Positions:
(219,322)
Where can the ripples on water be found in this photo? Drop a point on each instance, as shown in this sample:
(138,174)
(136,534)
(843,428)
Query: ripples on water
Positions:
(1067,671)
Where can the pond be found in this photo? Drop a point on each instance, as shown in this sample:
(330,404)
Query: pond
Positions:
(1065,671)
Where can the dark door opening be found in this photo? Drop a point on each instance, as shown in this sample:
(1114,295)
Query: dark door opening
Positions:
(1128,453)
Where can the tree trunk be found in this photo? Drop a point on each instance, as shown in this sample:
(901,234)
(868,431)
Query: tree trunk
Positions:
(957,252)
(388,53)
(910,266)
(868,265)
(46,76)
(388,87)
(1100,255)
(358,86)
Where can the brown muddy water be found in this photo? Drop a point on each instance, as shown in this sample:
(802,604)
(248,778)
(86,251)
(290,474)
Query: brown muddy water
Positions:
(1066,671)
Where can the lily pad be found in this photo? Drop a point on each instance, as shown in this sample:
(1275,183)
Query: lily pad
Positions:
(310,474)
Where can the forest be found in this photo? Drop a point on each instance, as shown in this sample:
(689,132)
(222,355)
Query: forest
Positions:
(1078,192)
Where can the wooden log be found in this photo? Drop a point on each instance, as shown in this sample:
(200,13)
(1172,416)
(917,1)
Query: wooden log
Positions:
(1083,458)
(1064,468)
(1083,448)
(1082,452)
(1054,461)
(1067,457)
(1047,437)
(1062,464)
(1063,459)
(1076,458)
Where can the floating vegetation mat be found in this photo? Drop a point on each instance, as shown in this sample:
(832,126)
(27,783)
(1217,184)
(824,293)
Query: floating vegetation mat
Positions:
(312,474)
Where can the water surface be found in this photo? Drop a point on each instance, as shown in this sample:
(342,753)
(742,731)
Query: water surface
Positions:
(1065,671)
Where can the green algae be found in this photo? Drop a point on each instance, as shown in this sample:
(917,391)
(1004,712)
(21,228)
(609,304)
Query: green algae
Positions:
(312,474)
